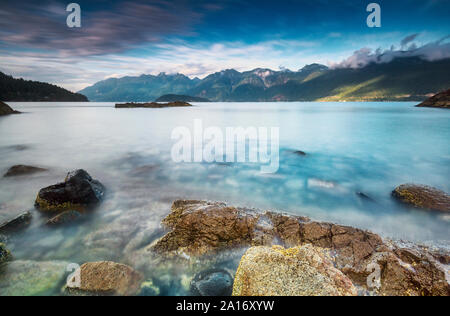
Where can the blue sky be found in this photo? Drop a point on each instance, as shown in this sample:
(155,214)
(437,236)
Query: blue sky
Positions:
(197,37)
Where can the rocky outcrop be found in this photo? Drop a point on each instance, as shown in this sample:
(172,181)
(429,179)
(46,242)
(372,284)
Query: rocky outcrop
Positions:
(64,218)
(299,271)
(31,278)
(15,224)
(107,278)
(440,100)
(22,170)
(201,229)
(78,192)
(5,109)
(423,197)
(213,282)
(152,105)
(5,254)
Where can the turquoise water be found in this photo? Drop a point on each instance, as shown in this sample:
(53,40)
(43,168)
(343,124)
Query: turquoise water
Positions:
(351,147)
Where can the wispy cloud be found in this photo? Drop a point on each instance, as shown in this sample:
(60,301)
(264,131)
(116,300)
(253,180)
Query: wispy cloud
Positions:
(431,51)
(200,60)
(43,26)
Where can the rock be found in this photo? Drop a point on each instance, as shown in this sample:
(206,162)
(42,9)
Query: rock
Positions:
(5,109)
(299,153)
(108,278)
(79,192)
(5,254)
(31,278)
(423,197)
(200,229)
(213,282)
(152,105)
(64,218)
(440,100)
(300,271)
(21,170)
(364,197)
(17,223)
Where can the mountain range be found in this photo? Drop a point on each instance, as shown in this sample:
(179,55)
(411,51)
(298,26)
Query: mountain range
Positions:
(21,90)
(402,79)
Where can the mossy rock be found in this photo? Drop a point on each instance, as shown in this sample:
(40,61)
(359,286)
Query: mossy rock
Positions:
(5,254)
(423,197)
(31,278)
(78,192)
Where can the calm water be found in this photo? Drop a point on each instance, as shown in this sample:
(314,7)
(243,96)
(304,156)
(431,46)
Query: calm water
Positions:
(351,147)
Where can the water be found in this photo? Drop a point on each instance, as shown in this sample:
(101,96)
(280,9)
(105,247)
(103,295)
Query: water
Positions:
(351,147)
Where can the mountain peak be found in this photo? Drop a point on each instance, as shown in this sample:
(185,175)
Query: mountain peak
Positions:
(313,68)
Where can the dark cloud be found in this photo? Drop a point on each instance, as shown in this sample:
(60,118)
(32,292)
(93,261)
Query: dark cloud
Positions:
(431,51)
(408,39)
(108,28)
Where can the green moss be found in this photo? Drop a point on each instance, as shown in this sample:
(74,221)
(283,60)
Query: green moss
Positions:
(5,254)
(46,206)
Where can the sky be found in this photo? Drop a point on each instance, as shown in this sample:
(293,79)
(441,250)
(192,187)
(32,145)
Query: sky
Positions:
(199,37)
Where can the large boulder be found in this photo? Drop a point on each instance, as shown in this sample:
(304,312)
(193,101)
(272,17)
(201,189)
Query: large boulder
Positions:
(299,271)
(440,100)
(5,254)
(78,192)
(107,278)
(22,170)
(5,109)
(200,229)
(31,278)
(19,222)
(424,197)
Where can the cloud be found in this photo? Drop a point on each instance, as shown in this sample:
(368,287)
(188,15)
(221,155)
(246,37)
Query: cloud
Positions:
(408,39)
(115,28)
(193,60)
(431,51)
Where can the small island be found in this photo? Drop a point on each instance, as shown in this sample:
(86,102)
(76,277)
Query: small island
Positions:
(152,105)
(180,98)
(440,100)
(5,109)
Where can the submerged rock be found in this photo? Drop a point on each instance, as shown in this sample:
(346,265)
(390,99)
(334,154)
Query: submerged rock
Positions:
(214,282)
(5,254)
(440,100)
(79,192)
(31,278)
(299,153)
(15,224)
(21,170)
(424,197)
(107,278)
(5,109)
(149,289)
(300,271)
(200,229)
(64,218)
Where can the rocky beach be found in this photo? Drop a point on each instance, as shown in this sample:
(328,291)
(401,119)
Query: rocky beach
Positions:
(276,254)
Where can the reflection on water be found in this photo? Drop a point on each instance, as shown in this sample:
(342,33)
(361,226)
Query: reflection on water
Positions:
(356,154)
